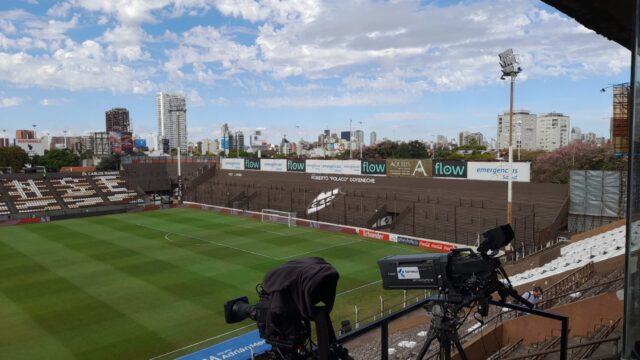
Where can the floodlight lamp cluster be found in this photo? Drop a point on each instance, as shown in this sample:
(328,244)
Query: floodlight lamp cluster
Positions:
(509,64)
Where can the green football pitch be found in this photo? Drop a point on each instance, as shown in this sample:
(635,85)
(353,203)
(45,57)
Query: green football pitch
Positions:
(142,285)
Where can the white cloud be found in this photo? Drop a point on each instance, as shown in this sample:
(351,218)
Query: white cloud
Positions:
(74,66)
(402,116)
(273,10)
(343,100)
(10,101)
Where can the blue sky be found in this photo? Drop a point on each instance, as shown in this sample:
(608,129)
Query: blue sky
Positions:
(406,69)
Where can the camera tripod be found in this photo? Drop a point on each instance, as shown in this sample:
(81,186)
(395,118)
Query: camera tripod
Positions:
(444,328)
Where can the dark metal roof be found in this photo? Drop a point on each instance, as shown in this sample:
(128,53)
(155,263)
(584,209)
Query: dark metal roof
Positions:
(611,18)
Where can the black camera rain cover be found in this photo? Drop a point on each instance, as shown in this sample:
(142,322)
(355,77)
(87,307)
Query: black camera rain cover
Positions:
(303,282)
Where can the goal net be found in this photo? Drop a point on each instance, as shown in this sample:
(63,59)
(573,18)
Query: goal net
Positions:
(277,216)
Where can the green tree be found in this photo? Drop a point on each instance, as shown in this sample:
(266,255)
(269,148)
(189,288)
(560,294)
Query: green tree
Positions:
(417,149)
(109,163)
(53,160)
(13,157)
(554,167)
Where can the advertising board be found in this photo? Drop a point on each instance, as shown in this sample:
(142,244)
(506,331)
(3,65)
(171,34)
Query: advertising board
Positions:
(252,164)
(498,171)
(278,165)
(449,169)
(31,146)
(231,164)
(409,167)
(374,167)
(336,167)
(239,348)
(296,165)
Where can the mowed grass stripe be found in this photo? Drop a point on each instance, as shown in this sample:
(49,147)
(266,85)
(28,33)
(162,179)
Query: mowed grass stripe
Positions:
(280,241)
(65,311)
(161,274)
(153,308)
(22,337)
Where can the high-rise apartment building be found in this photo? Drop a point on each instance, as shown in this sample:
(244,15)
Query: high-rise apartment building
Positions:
(239,141)
(101,145)
(468,138)
(373,138)
(576,134)
(358,136)
(524,126)
(172,119)
(553,131)
(117,120)
(25,134)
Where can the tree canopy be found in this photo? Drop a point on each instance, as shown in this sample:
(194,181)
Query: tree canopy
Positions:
(554,167)
(13,157)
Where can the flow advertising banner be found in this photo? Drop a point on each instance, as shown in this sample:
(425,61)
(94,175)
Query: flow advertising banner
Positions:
(239,348)
(374,167)
(449,169)
(296,165)
(232,164)
(278,165)
(409,167)
(499,171)
(252,164)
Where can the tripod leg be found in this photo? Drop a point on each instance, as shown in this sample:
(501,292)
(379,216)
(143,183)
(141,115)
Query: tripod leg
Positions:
(427,344)
(463,356)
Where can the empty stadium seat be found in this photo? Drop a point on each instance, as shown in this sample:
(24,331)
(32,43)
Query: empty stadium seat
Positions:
(596,248)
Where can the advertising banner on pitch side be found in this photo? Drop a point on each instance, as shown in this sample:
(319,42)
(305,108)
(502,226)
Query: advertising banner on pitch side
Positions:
(335,167)
(498,171)
(409,167)
(277,165)
(231,164)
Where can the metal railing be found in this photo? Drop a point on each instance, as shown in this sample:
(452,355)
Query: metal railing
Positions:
(383,324)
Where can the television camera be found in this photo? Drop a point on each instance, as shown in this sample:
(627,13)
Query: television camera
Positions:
(291,297)
(462,278)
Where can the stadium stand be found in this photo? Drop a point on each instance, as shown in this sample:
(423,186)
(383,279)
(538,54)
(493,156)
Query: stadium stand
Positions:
(77,192)
(159,174)
(593,249)
(449,210)
(30,194)
(115,189)
(4,208)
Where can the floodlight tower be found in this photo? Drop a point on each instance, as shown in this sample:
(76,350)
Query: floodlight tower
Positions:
(510,68)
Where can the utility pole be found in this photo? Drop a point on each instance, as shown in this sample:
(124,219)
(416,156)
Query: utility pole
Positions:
(350,138)
(361,142)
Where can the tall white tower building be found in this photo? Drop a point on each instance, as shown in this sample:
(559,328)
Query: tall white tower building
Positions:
(172,119)
(524,130)
(553,131)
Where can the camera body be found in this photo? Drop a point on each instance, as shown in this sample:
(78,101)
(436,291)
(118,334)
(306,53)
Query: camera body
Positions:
(287,332)
(461,271)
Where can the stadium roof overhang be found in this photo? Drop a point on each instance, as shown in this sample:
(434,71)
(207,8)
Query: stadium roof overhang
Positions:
(611,19)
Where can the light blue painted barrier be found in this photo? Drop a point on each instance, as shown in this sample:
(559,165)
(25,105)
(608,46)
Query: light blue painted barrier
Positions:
(239,348)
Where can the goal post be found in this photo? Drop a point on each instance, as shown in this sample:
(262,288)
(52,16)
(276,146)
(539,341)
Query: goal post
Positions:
(277,216)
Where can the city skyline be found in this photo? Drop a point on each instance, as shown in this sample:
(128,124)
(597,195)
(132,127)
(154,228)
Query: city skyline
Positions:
(297,69)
